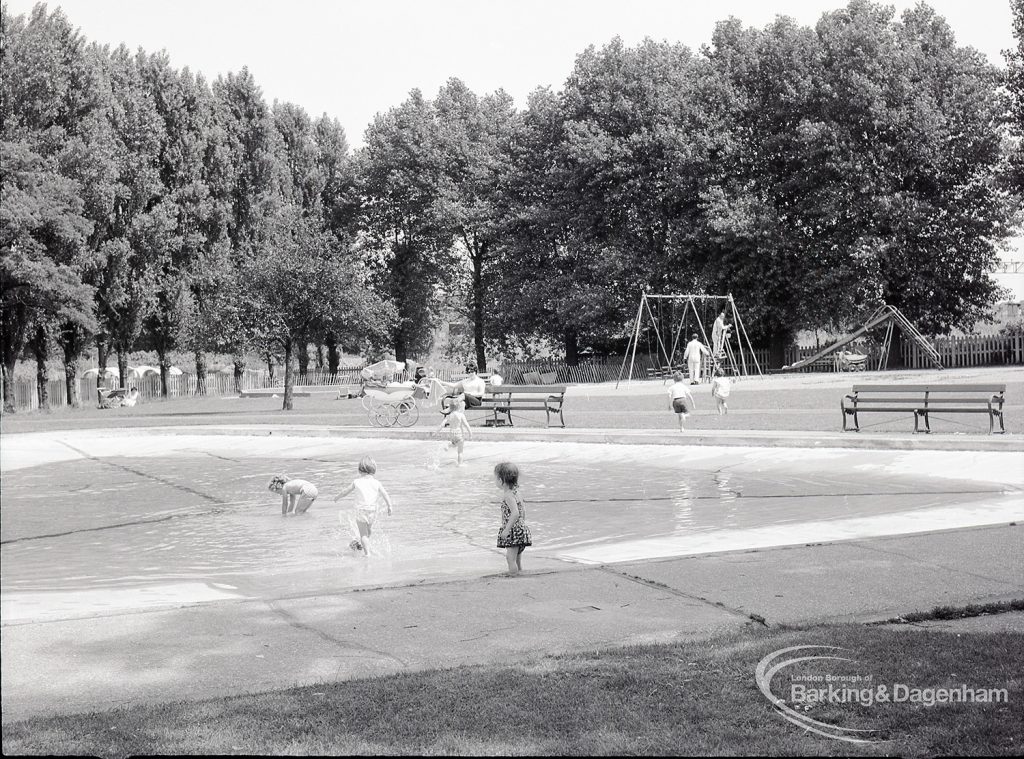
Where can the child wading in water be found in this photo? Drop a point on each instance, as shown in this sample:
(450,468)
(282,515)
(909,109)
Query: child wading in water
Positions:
(680,398)
(514,535)
(369,494)
(296,495)
(460,428)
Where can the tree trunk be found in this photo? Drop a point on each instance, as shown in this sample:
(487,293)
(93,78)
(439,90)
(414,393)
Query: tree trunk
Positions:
(122,365)
(200,373)
(777,345)
(478,306)
(895,360)
(399,345)
(13,330)
(270,365)
(302,348)
(102,352)
(572,348)
(165,370)
(333,357)
(239,374)
(41,351)
(287,375)
(8,378)
(71,346)
(319,357)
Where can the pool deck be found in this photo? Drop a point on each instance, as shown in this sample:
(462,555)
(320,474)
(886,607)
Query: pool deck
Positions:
(236,646)
(884,441)
(241,646)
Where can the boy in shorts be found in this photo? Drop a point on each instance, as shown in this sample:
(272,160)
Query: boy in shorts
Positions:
(680,398)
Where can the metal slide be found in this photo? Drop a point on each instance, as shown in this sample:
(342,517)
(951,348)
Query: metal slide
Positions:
(882,315)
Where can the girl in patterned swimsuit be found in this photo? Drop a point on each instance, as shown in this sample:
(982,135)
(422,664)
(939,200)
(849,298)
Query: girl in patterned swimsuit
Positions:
(514,534)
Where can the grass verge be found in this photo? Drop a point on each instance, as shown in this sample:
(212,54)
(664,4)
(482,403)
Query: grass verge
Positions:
(957,612)
(684,698)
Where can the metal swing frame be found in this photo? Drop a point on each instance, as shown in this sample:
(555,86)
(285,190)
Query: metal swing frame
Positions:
(691,299)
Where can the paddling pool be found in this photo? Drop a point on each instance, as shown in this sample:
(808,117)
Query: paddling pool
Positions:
(104,521)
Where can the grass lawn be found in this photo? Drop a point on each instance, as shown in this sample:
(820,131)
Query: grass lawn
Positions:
(793,402)
(684,698)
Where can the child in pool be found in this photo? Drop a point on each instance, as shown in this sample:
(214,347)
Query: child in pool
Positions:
(296,495)
(514,534)
(460,429)
(680,398)
(369,495)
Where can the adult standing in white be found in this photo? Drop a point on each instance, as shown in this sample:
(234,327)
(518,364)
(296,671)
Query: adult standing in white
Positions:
(719,334)
(695,349)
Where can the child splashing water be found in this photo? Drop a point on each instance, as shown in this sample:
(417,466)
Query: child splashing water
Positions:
(296,495)
(460,428)
(514,534)
(369,495)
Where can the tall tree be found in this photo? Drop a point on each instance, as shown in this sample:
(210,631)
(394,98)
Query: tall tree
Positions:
(861,168)
(475,138)
(244,176)
(400,169)
(1015,86)
(52,107)
(42,238)
(304,283)
(184,104)
(138,226)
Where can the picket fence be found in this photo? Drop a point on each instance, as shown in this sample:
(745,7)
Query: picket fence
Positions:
(183,385)
(955,352)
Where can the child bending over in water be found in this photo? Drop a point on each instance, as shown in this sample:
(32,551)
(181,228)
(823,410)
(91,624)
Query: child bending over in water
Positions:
(369,495)
(514,534)
(460,428)
(296,495)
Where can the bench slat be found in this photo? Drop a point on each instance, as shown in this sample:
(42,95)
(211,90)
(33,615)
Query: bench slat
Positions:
(929,388)
(931,401)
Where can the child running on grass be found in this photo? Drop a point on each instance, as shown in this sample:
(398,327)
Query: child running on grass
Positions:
(680,398)
(296,495)
(720,388)
(460,429)
(369,495)
(514,534)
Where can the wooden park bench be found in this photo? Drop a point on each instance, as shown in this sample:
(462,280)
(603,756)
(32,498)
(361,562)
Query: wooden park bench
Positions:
(923,400)
(505,399)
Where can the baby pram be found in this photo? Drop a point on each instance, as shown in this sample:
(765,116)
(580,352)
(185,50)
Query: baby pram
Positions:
(389,403)
(848,361)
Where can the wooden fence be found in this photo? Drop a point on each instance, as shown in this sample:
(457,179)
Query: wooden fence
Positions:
(973,350)
(183,385)
(955,352)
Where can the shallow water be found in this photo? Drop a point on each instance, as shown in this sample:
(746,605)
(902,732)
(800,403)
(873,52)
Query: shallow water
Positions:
(191,514)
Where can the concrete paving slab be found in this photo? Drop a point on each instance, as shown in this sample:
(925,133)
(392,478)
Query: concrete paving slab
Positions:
(856,580)
(240,647)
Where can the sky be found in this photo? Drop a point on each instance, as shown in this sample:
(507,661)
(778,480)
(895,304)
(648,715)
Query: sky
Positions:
(352,60)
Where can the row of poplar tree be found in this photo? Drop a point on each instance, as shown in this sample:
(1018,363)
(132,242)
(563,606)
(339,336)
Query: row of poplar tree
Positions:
(812,172)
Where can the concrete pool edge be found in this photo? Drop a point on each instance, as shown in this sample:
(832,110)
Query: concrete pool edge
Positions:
(892,441)
(551,565)
(264,646)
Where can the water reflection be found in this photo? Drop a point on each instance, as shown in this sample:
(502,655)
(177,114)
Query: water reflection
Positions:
(195,516)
